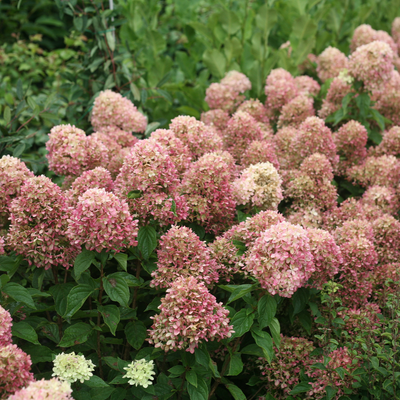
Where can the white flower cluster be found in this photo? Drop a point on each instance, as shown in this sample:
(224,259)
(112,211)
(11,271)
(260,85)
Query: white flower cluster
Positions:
(140,372)
(72,367)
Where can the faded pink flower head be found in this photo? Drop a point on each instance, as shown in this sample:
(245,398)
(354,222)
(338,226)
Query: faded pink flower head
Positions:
(5,327)
(102,221)
(256,109)
(396,31)
(124,139)
(307,86)
(330,62)
(223,97)
(364,34)
(296,111)
(350,209)
(238,81)
(112,109)
(183,254)
(387,239)
(390,145)
(2,244)
(383,198)
(52,389)
(217,118)
(260,151)
(284,139)
(189,314)
(281,259)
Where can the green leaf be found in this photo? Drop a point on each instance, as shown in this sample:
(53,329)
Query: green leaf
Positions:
(60,295)
(18,293)
(7,115)
(122,260)
(199,392)
(265,19)
(330,392)
(305,320)
(363,102)
(38,353)
(135,194)
(242,322)
(215,62)
(301,388)
(253,350)
(147,240)
(266,310)
(300,299)
(240,291)
(164,79)
(264,340)
(117,288)
(135,91)
(111,316)
(197,229)
(24,331)
(375,136)
(76,298)
(20,92)
(101,393)
(275,329)
(13,138)
(111,40)
(19,150)
(78,23)
(191,377)
(83,262)
(75,334)
(235,366)
(177,370)
(136,333)
(230,22)
(31,103)
(151,128)
(202,357)
(235,391)
(96,382)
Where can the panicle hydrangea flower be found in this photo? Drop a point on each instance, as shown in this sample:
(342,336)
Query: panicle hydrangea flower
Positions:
(281,259)
(102,221)
(296,111)
(5,327)
(13,173)
(2,244)
(228,159)
(112,109)
(330,62)
(189,314)
(387,238)
(240,82)
(307,86)
(116,162)
(256,109)
(216,118)
(280,89)
(372,64)
(390,145)
(52,389)
(178,152)
(350,209)
(327,256)
(364,34)
(260,151)
(259,186)
(112,146)
(284,139)
(38,223)
(140,372)
(72,367)
(124,139)
(240,131)
(339,88)
(183,254)
(383,198)
(225,252)
(223,97)
(208,191)
(200,138)
(381,171)
(350,141)
(396,31)
(384,279)
(149,169)
(354,229)
(307,217)
(14,370)
(312,137)
(96,178)
(330,377)
(282,374)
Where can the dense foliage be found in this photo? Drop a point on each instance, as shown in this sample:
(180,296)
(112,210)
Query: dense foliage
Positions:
(173,228)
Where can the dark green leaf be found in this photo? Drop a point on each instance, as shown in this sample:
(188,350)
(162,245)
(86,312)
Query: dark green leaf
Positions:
(24,331)
(111,316)
(164,79)
(242,322)
(197,229)
(18,293)
(191,377)
(264,340)
(147,240)
(215,62)
(275,329)
(19,150)
(96,382)
(199,392)
(135,194)
(20,92)
(300,299)
(136,333)
(235,391)
(305,320)
(75,334)
(76,298)
(266,310)
(122,260)
(235,366)
(177,370)
(240,291)
(83,262)
(330,392)
(117,288)
(229,21)
(301,388)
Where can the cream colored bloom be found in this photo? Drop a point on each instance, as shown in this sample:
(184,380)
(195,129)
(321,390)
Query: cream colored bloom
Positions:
(140,372)
(72,367)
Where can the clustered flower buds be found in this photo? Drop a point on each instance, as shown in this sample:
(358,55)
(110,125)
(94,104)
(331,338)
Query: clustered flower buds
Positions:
(72,367)
(139,372)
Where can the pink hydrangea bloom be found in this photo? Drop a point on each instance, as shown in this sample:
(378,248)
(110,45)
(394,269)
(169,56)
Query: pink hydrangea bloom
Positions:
(189,314)
(207,188)
(383,198)
(148,168)
(183,254)
(372,64)
(240,131)
(2,244)
(390,145)
(53,389)
(348,210)
(312,137)
(112,109)
(387,239)
(364,34)
(102,221)
(95,178)
(5,327)
(116,162)
(223,97)
(307,86)
(307,217)
(296,111)
(256,109)
(13,173)
(259,186)
(327,256)
(238,81)
(396,31)
(260,151)
(354,229)
(14,370)
(113,147)
(200,138)
(228,159)
(351,140)
(216,118)
(178,152)
(39,218)
(281,259)
(124,139)
(382,171)
(330,62)
(283,373)
(280,89)
(284,139)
